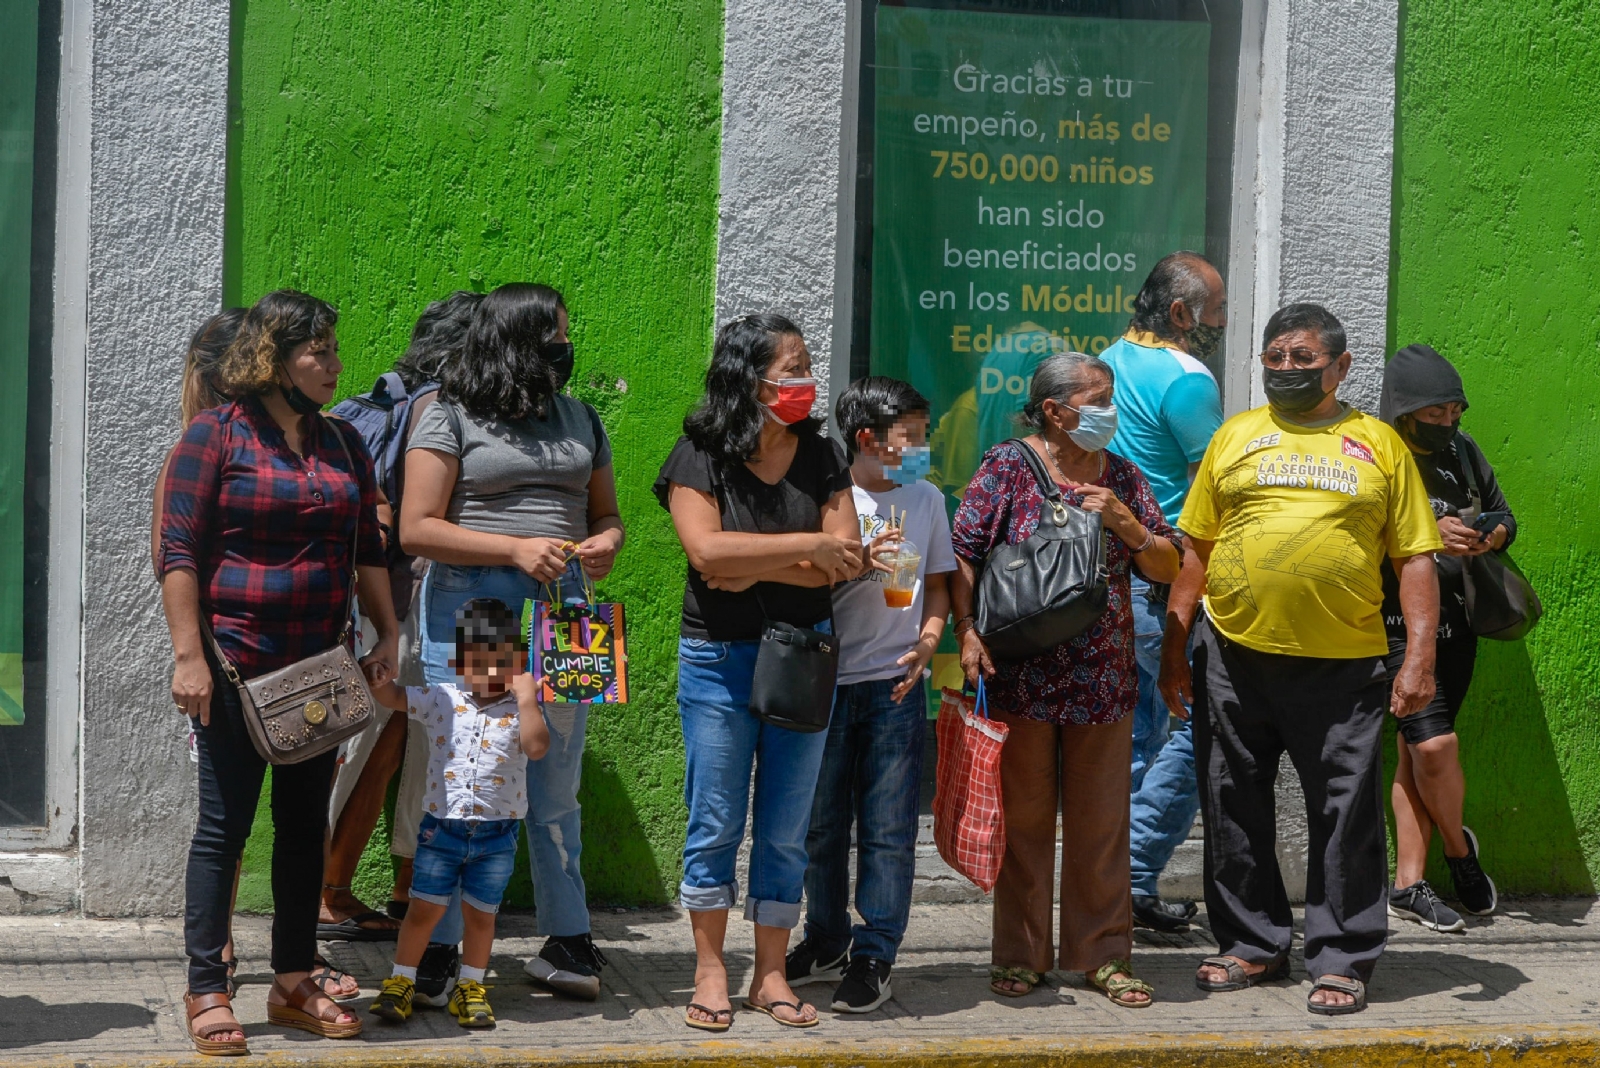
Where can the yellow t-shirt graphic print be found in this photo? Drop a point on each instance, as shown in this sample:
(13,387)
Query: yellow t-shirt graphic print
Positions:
(1302,518)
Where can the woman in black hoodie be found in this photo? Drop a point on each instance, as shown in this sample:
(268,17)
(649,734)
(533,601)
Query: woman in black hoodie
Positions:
(1423,399)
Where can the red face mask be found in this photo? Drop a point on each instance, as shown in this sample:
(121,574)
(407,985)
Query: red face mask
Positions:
(795,398)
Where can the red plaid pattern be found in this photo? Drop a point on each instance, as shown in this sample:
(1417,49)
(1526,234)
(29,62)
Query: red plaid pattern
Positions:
(267,532)
(969,826)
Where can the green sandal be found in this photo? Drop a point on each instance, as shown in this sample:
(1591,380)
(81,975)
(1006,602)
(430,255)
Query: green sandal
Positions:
(999,975)
(1118,989)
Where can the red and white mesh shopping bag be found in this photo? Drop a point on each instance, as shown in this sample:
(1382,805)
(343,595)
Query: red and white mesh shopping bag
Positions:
(969,826)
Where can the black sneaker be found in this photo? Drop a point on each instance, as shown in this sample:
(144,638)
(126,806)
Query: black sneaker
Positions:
(1171,917)
(570,965)
(865,985)
(1474,889)
(437,972)
(1420,904)
(807,963)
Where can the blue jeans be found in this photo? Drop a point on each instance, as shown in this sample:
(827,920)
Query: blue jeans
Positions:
(1166,794)
(554,824)
(871,771)
(722,744)
(471,857)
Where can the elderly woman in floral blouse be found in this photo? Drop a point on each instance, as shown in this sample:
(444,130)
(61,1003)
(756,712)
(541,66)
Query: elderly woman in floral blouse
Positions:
(1068,708)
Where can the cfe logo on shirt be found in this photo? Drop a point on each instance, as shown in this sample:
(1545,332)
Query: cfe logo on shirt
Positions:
(1353,448)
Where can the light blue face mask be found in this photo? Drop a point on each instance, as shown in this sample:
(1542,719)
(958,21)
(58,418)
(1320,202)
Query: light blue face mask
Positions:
(1096,427)
(915,463)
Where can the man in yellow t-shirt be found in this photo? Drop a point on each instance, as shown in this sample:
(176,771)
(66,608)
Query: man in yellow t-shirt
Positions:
(1290,517)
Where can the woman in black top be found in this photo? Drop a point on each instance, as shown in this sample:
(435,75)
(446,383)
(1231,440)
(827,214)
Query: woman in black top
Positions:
(1423,400)
(762,504)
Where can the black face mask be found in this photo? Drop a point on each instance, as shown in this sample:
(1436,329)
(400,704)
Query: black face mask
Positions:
(1430,437)
(1293,390)
(298,402)
(1204,340)
(558,354)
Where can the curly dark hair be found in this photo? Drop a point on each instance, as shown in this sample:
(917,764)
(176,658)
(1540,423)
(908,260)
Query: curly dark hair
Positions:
(503,372)
(437,339)
(272,328)
(727,422)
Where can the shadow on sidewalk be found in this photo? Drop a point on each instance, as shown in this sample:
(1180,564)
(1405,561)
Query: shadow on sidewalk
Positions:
(27,1021)
(1402,977)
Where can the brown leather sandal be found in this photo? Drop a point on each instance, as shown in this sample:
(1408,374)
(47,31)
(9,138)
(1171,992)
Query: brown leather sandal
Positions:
(294,1013)
(194,1005)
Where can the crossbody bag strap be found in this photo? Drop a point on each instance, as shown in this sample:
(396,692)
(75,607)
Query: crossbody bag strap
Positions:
(1469,469)
(355,534)
(719,490)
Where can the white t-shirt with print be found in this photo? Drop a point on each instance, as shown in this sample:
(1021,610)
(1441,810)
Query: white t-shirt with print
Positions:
(872,636)
(476,770)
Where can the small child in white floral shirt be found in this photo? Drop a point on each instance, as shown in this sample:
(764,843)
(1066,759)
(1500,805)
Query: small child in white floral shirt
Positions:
(483,734)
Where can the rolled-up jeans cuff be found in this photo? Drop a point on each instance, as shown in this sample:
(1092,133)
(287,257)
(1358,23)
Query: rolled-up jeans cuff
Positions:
(708,898)
(772,913)
(432,899)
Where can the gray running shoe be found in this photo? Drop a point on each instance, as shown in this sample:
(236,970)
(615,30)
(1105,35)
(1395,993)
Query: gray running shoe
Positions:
(1420,904)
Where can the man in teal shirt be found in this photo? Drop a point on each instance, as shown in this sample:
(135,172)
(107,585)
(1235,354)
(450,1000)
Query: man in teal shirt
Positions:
(1168,406)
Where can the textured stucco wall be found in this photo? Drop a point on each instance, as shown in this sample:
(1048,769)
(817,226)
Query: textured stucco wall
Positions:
(389,155)
(155,270)
(1328,81)
(1497,249)
(783,82)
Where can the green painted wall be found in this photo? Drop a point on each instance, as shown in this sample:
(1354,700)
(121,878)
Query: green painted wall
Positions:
(385,154)
(1496,253)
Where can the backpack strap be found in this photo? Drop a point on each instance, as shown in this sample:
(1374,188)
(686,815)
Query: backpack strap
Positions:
(1465,447)
(389,389)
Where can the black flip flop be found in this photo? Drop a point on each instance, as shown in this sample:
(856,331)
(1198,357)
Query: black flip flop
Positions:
(715,1024)
(1342,985)
(1238,978)
(322,971)
(397,909)
(350,930)
(769,1006)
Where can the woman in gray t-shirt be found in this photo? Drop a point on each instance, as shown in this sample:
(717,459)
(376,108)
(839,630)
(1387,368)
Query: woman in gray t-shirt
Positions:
(510,494)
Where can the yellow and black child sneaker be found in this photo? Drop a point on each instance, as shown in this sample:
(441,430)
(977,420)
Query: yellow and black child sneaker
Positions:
(470,1004)
(393,1002)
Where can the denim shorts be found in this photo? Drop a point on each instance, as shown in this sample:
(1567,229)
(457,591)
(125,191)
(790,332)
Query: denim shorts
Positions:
(476,855)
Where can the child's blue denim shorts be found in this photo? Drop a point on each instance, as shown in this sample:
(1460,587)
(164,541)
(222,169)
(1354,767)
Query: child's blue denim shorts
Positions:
(476,855)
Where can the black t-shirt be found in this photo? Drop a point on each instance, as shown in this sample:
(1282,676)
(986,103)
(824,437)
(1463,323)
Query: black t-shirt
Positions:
(1449,491)
(751,506)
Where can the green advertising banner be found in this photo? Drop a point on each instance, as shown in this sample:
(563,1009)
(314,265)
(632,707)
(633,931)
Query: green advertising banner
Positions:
(18,60)
(1028,172)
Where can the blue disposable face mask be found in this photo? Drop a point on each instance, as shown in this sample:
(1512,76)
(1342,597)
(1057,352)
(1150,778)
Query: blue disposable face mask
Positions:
(915,463)
(1096,427)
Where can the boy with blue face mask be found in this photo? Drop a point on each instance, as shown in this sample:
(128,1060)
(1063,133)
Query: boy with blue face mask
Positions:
(872,767)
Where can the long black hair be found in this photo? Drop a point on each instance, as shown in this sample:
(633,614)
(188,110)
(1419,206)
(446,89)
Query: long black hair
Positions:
(727,422)
(437,338)
(502,372)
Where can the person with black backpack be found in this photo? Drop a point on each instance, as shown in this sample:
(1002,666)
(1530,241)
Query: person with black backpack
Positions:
(385,417)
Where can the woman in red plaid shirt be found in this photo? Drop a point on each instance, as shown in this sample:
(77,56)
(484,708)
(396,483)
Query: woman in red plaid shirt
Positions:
(262,509)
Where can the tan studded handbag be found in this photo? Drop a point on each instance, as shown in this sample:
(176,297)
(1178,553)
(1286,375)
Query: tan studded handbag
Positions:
(309,707)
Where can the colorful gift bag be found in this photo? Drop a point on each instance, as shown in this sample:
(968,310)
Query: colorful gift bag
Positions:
(577,652)
(969,824)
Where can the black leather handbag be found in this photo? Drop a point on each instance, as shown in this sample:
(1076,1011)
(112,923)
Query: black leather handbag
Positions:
(1501,603)
(796,667)
(1049,587)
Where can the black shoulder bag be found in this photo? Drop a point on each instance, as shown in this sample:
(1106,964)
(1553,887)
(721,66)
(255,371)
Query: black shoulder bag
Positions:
(1501,603)
(796,667)
(1051,586)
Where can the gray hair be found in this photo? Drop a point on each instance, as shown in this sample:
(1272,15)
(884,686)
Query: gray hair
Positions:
(1058,378)
(1177,277)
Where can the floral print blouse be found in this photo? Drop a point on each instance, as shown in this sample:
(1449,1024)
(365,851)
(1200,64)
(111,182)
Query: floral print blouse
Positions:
(1090,679)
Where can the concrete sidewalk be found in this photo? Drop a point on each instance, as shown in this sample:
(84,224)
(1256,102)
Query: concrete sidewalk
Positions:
(1521,987)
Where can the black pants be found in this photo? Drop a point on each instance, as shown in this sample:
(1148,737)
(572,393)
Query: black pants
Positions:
(230,786)
(1250,708)
(1454,659)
